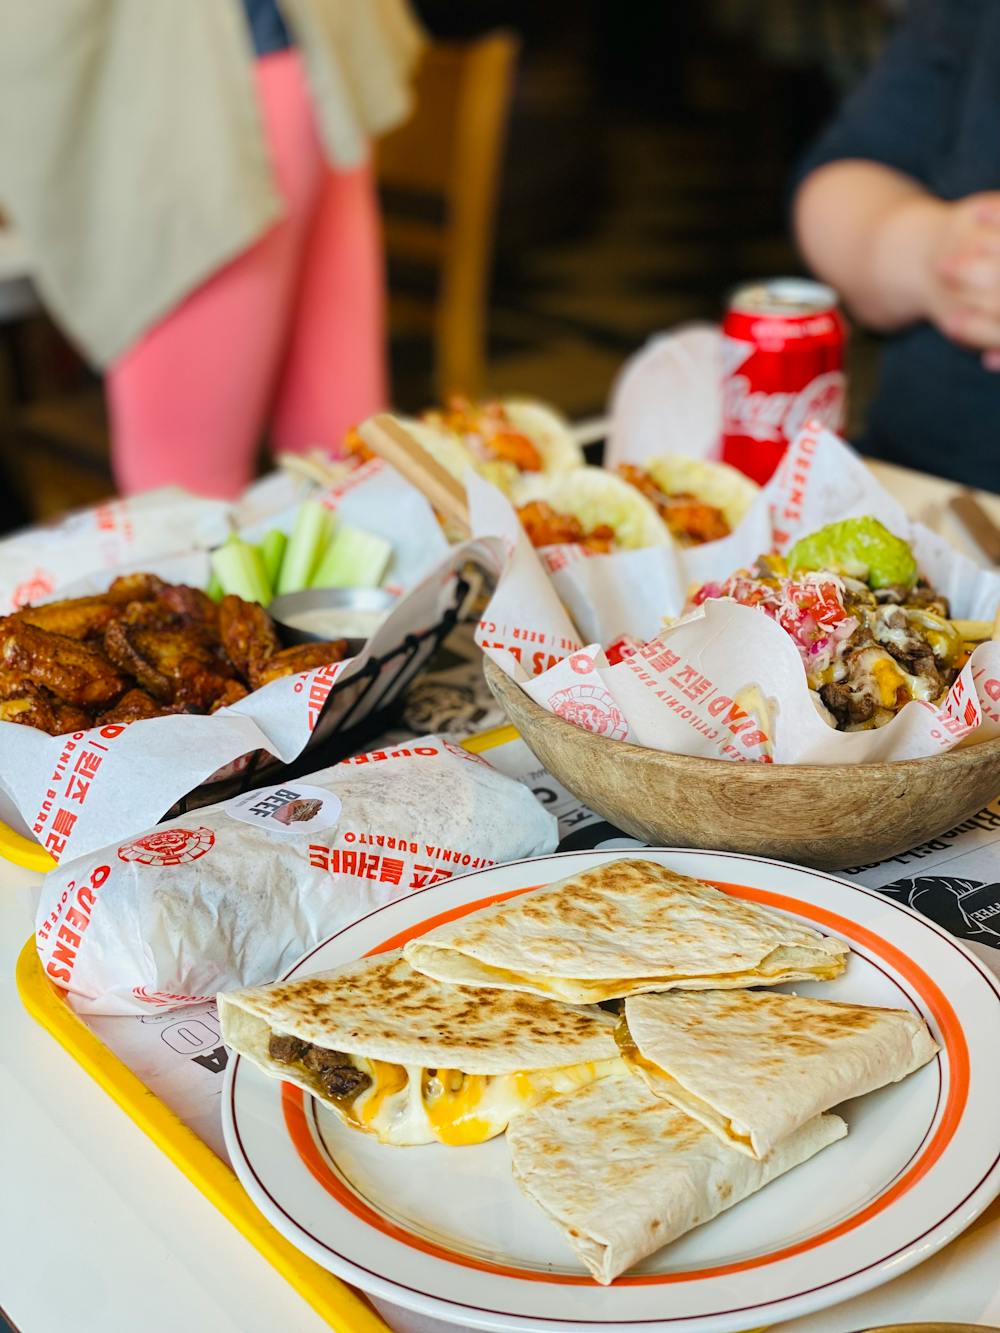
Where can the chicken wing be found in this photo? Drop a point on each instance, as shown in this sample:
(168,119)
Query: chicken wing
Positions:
(23,702)
(190,606)
(233,691)
(68,717)
(303,657)
(71,670)
(176,666)
(76,617)
(135,588)
(134,706)
(247,634)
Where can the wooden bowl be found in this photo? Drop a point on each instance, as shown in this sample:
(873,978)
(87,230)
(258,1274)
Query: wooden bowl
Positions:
(825,815)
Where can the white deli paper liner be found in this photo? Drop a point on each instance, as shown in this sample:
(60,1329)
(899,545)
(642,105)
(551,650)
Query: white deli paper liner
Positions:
(86,789)
(210,902)
(38,563)
(686,692)
(667,398)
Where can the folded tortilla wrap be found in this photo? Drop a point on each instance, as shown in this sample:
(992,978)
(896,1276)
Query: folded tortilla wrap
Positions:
(622,928)
(596,498)
(716,484)
(546,428)
(753,1066)
(623,1173)
(412,1061)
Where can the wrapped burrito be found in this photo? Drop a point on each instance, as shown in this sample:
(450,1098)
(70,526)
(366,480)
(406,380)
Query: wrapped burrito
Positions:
(622,928)
(413,1061)
(622,1173)
(754,1066)
(233,894)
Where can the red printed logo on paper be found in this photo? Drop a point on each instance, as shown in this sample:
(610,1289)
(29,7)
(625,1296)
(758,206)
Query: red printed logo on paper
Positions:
(592,708)
(581,664)
(39,585)
(170,847)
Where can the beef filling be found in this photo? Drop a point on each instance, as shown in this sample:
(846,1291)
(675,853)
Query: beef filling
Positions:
(332,1070)
(847,705)
(285,1049)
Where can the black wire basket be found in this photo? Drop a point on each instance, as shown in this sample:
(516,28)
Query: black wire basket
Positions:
(356,710)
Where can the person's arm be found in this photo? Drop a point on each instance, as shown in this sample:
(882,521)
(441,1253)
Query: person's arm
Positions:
(897,253)
(865,216)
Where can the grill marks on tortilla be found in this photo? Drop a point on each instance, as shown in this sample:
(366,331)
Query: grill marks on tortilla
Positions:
(622,927)
(381,1008)
(753,1066)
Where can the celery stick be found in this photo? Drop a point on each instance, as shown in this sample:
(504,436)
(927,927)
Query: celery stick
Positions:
(312,531)
(240,570)
(215,589)
(353,559)
(272,550)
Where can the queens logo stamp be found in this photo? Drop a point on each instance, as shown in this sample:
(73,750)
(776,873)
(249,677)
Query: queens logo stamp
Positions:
(170,847)
(591,707)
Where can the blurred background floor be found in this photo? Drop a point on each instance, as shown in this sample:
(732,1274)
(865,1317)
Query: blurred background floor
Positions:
(644,173)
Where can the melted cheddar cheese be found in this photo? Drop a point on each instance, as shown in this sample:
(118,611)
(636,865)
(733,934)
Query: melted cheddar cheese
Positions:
(409,1104)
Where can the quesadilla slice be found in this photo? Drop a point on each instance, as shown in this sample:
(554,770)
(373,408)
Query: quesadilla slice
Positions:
(622,928)
(412,1061)
(622,1173)
(753,1066)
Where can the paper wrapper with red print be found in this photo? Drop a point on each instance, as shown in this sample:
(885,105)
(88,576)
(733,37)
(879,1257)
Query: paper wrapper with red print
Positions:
(726,681)
(84,790)
(232,894)
(524,620)
(41,563)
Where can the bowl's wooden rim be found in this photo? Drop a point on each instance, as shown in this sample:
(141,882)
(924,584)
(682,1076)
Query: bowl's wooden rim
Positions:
(971,756)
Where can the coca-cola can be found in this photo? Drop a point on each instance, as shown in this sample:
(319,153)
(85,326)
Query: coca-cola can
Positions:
(783,365)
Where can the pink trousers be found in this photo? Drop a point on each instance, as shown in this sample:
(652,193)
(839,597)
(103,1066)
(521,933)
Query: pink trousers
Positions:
(290,333)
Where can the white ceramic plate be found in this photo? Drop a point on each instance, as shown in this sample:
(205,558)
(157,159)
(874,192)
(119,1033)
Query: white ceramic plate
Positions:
(445,1231)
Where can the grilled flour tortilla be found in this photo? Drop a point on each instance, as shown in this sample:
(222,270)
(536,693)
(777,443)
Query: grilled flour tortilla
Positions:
(623,1173)
(596,499)
(412,1061)
(622,928)
(753,1066)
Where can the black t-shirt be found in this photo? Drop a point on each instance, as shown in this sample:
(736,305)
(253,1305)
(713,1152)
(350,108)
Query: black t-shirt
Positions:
(931,108)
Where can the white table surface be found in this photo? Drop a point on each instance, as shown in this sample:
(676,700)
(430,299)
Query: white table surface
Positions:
(100,1233)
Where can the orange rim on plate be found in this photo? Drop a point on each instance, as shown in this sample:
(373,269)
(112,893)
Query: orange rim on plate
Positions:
(294,1105)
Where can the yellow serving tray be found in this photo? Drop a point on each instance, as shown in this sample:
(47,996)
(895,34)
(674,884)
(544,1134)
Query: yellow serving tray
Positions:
(341,1307)
(24,851)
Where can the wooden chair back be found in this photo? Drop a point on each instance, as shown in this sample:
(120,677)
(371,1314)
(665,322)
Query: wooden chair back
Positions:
(438,176)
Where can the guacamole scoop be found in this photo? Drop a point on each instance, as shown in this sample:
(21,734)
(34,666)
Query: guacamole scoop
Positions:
(861,548)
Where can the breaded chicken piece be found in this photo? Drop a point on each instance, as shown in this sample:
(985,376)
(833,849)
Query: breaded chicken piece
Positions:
(76,617)
(248,634)
(133,707)
(176,666)
(23,702)
(233,692)
(71,670)
(190,606)
(303,657)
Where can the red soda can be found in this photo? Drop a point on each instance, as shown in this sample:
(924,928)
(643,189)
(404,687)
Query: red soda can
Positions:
(783,365)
